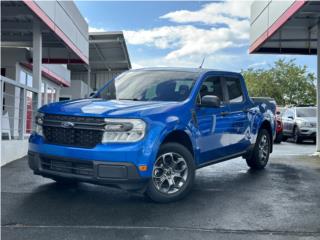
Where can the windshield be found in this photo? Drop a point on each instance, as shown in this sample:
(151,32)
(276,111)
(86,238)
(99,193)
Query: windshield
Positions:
(306,112)
(142,85)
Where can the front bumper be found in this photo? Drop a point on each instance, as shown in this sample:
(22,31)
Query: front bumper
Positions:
(121,174)
(308,133)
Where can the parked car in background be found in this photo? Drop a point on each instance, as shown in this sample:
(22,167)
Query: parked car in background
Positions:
(150,129)
(300,123)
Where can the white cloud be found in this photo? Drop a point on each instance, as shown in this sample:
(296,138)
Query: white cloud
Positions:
(234,62)
(95,29)
(258,64)
(137,65)
(227,26)
(213,13)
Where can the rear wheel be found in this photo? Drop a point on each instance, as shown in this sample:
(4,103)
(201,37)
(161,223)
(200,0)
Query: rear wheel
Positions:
(260,155)
(172,175)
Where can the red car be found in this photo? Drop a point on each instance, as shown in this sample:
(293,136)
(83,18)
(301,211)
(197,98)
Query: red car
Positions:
(279,126)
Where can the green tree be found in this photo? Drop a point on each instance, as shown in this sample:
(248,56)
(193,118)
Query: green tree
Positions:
(285,81)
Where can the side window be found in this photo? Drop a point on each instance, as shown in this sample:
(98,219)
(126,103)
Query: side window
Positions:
(151,92)
(211,86)
(290,113)
(234,90)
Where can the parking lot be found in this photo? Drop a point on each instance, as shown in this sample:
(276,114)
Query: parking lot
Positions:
(227,202)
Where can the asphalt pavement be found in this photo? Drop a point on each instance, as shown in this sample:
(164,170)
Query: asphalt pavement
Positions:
(228,201)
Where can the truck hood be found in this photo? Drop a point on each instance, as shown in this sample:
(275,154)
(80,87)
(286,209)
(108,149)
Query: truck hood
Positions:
(105,108)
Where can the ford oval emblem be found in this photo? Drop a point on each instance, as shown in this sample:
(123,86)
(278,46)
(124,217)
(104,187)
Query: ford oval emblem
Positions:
(67,124)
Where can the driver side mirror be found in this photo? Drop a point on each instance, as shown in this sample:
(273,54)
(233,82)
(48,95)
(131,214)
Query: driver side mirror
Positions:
(210,101)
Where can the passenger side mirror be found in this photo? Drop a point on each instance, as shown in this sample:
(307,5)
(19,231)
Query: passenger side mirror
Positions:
(210,101)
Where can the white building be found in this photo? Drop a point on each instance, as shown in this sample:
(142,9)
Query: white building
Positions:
(45,58)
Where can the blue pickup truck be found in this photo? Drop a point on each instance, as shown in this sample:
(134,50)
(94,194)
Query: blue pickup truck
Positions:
(150,129)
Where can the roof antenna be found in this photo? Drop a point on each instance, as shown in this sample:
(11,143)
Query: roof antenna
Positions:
(204,58)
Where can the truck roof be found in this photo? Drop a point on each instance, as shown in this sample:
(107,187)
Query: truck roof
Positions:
(184,69)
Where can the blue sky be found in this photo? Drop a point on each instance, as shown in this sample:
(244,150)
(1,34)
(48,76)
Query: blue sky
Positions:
(181,33)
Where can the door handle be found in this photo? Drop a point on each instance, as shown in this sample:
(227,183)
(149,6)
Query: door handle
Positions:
(224,113)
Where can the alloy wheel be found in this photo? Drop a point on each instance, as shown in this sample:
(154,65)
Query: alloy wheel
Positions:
(263,148)
(170,173)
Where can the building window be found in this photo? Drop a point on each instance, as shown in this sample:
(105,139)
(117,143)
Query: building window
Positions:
(29,80)
(26,78)
(23,77)
(51,94)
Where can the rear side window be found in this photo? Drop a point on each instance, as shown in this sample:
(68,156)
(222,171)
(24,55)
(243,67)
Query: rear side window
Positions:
(234,90)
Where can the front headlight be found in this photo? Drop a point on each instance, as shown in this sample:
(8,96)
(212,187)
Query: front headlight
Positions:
(123,130)
(39,121)
(307,124)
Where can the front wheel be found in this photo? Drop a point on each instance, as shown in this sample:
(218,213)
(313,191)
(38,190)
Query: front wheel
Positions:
(172,175)
(260,155)
(296,137)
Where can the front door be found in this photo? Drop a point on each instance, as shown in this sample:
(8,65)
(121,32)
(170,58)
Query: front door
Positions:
(211,122)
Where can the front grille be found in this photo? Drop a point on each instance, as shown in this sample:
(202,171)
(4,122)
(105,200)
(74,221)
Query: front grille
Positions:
(86,132)
(313,125)
(83,168)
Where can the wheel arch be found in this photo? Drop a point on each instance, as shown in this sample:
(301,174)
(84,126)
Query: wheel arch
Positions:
(180,136)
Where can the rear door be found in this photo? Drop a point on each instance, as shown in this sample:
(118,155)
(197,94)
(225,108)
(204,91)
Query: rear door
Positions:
(239,131)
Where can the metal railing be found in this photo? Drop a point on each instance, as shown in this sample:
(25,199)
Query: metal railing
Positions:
(17,109)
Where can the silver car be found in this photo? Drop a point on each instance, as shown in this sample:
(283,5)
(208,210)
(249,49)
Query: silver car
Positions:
(299,123)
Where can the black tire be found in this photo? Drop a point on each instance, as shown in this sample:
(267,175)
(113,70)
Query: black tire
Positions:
(278,138)
(284,138)
(258,160)
(296,137)
(157,195)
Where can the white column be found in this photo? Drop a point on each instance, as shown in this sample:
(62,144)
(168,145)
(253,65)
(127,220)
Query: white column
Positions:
(45,86)
(1,106)
(37,58)
(318,89)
